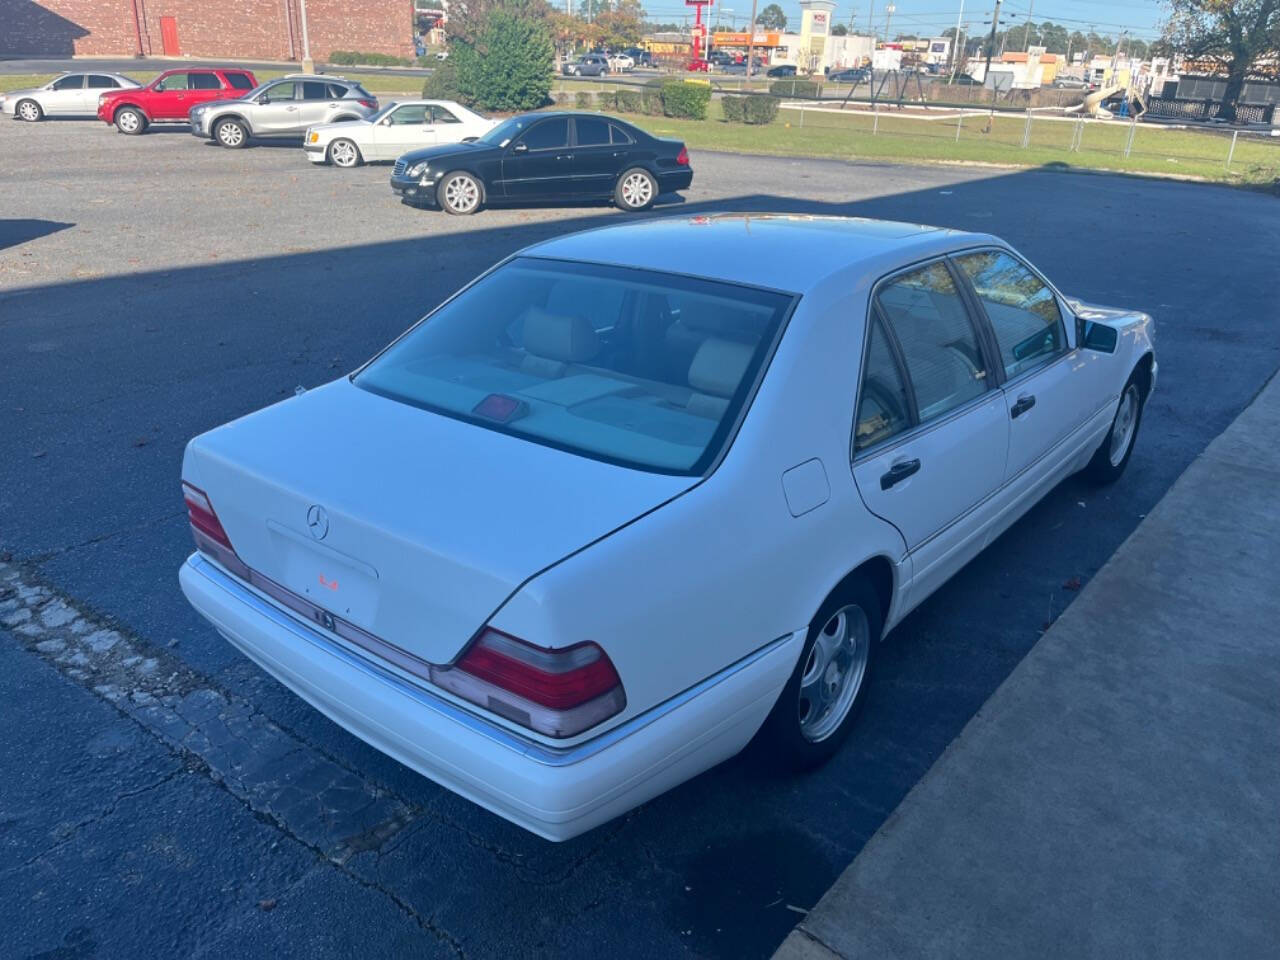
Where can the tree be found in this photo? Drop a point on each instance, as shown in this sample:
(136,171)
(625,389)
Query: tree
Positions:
(1240,37)
(772,18)
(508,64)
(622,25)
(839,30)
(1077,43)
(1054,37)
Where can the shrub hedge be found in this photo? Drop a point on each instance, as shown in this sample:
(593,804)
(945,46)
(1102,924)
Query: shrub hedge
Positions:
(348,58)
(681,98)
(629,101)
(757,108)
(582,100)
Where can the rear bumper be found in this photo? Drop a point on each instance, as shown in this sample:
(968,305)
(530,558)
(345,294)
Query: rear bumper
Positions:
(671,180)
(556,793)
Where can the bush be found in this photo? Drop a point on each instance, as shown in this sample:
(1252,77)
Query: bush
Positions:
(629,101)
(734,109)
(681,98)
(443,82)
(761,108)
(582,100)
(796,89)
(607,100)
(347,58)
(509,65)
(651,103)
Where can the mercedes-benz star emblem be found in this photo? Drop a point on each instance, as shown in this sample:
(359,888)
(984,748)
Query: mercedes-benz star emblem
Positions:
(317,521)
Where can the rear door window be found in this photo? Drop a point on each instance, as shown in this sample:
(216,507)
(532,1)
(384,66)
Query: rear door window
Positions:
(883,409)
(239,81)
(97,82)
(591,131)
(205,81)
(314,90)
(618,135)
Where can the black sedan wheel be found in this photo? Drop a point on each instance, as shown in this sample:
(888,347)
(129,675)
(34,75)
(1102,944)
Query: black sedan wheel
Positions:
(459,193)
(636,190)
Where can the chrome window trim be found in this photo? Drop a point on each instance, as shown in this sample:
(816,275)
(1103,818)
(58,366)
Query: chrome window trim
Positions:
(522,746)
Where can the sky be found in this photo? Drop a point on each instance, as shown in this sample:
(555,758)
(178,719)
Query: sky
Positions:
(928,17)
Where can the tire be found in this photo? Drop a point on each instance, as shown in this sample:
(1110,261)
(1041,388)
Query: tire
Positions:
(459,193)
(29,111)
(811,720)
(1113,454)
(231,134)
(344,153)
(635,190)
(130,121)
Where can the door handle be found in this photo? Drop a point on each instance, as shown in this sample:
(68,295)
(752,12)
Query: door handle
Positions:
(898,472)
(291,108)
(1023,404)
(565,156)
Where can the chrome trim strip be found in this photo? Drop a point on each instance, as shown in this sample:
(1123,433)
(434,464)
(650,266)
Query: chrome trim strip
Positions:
(532,750)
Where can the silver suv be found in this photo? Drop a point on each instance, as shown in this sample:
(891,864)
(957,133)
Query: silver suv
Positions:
(282,108)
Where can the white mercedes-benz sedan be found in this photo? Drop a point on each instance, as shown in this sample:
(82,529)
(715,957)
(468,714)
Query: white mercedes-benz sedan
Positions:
(639,495)
(68,95)
(395,129)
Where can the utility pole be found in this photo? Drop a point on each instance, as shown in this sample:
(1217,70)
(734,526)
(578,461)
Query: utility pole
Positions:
(888,21)
(751,39)
(1031,8)
(308,66)
(986,73)
(955,42)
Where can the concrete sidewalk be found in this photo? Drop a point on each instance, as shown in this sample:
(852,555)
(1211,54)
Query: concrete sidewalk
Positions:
(1119,794)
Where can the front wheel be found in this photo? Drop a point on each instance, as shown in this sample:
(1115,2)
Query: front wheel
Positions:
(130,121)
(636,190)
(344,153)
(821,701)
(459,193)
(1112,457)
(29,111)
(231,134)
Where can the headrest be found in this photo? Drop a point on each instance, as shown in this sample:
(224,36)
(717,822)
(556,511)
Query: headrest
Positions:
(558,337)
(718,366)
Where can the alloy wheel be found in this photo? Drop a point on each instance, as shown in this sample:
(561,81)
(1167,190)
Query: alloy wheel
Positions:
(127,121)
(1123,428)
(833,673)
(28,111)
(230,134)
(637,190)
(344,153)
(461,194)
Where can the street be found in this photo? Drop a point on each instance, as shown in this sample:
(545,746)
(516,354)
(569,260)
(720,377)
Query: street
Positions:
(168,286)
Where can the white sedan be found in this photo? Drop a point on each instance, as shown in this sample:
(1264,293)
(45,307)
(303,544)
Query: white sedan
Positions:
(68,95)
(600,522)
(395,129)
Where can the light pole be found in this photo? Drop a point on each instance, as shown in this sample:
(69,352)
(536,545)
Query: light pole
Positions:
(986,72)
(751,38)
(308,66)
(888,20)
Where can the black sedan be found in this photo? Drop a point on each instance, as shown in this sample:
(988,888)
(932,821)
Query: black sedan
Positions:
(546,156)
(855,76)
(783,70)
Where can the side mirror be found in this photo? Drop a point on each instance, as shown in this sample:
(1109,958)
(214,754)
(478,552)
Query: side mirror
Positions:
(262,98)
(520,148)
(1096,336)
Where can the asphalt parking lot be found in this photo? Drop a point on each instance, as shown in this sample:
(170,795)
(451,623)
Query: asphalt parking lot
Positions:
(153,287)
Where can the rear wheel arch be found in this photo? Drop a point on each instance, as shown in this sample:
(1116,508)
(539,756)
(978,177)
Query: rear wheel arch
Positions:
(880,573)
(1142,372)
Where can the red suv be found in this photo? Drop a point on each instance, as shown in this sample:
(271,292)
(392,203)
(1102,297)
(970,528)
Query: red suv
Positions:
(169,97)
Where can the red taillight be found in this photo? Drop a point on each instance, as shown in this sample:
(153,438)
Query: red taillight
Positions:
(371,104)
(556,692)
(682,158)
(207,530)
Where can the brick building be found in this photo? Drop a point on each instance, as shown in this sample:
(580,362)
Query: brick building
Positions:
(236,29)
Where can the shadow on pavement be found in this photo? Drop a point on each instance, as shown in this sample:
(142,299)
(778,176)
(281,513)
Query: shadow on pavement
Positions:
(16,232)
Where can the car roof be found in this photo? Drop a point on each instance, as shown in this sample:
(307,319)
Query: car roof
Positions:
(790,252)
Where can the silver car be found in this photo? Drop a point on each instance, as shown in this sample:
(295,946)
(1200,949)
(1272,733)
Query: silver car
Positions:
(68,95)
(282,108)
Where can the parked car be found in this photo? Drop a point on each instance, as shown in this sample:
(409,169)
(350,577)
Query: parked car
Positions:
(639,495)
(546,156)
(620,63)
(642,58)
(782,70)
(854,75)
(394,130)
(965,79)
(169,97)
(282,108)
(698,65)
(68,95)
(589,65)
(1069,83)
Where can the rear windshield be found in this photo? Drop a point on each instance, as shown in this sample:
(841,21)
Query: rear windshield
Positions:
(644,369)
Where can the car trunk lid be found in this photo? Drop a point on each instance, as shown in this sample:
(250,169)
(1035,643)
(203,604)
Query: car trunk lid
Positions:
(410,525)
